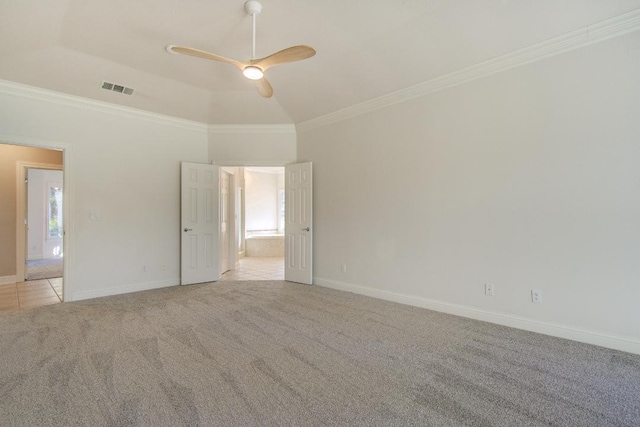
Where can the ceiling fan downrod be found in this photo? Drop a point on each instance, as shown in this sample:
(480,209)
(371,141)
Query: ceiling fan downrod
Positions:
(253,68)
(253,8)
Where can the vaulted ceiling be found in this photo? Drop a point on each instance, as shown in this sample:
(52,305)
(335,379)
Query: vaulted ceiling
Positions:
(365,48)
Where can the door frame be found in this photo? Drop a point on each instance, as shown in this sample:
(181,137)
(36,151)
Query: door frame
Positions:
(231,167)
(233,219)
(248,164)
(22,213)
(67,208)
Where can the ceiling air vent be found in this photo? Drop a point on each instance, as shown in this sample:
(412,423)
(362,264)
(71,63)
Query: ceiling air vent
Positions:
(117,88)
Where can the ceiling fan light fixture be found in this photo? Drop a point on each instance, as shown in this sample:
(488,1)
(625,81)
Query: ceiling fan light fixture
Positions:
(253,73)
(253,68)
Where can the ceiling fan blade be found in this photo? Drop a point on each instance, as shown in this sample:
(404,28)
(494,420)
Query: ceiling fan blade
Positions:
(205,55)
(264,88)
(290,54)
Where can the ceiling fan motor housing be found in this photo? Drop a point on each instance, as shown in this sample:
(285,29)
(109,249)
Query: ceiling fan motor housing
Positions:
(253,7)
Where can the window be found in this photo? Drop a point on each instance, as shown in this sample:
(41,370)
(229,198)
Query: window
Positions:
(54,212)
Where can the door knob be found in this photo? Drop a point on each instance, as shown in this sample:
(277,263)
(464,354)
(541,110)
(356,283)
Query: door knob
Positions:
(305,229)
(187,229)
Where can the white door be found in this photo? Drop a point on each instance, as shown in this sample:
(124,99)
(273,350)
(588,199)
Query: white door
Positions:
(199,223)
(298,223)
(225,235)
(44,214)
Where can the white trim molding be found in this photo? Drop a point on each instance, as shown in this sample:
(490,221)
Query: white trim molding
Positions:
(546,328)
(17,89)
(5,280)
(126,289)
(253,163)
(261,129)
(600,31)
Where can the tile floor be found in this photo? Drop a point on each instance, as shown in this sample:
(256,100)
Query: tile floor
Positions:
(33,293)
(257,268)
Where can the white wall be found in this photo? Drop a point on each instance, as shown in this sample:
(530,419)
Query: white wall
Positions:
(263,145)
(39,244)
(122,165)
(529,178)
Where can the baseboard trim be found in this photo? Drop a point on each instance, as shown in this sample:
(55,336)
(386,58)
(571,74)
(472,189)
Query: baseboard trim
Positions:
(137,287)
(5,280)
(546,328)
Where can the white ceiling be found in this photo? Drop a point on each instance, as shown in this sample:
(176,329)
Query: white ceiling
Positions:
(366,48)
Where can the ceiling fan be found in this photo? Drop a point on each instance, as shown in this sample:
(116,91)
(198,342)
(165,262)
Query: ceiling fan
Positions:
(253,69)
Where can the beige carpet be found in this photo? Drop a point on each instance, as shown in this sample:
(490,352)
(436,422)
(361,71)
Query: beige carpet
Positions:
(278,353)
(43,268)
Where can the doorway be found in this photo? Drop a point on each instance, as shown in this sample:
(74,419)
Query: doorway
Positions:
(15,162)
(259,213)
(44,224)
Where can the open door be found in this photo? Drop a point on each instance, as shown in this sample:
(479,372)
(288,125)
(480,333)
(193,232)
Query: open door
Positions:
(225,221)
(22,214)
(44,224)
(199,228)
(298,223)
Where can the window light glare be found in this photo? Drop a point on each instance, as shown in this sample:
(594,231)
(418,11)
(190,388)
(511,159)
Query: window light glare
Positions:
(253,73)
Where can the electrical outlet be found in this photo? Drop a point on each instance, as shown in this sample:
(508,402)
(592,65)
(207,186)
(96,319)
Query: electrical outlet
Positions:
(488,289)
(343,268)
(536,296)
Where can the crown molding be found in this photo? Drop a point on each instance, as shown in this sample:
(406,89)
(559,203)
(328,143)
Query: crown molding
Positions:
(282,128)
(600,31)
(253,163)
(39,94)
